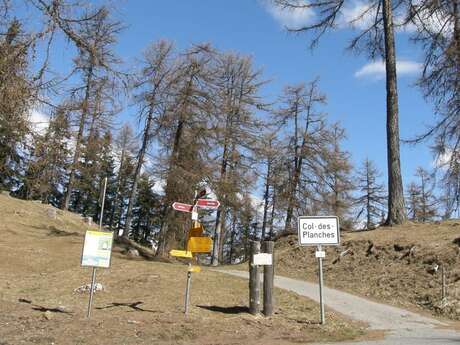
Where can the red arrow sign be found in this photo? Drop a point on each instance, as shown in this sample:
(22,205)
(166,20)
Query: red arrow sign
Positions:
(178,206)
(207,203)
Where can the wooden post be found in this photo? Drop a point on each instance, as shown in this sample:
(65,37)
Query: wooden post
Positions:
(269,275)
(254,280)
(444,287)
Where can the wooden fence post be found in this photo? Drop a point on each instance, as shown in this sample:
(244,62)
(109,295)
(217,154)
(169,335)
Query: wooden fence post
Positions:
(269,275)
(444,285)
(254,280)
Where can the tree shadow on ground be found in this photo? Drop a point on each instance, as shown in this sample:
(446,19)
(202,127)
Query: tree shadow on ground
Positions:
(134,306)
(44,309)
(51,310)
(225,310)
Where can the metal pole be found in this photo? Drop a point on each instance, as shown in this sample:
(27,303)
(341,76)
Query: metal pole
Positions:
(90,304)
(103,203)
(187,289)
(321,301)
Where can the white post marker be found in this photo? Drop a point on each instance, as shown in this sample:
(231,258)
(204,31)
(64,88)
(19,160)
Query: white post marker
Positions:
(262,259)
(319,231)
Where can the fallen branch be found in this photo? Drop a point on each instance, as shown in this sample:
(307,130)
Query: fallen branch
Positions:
(342,254)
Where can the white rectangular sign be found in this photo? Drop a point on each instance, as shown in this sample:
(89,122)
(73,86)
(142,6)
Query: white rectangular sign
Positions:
(97,249)
(320,254)
(262,259)
(315,231)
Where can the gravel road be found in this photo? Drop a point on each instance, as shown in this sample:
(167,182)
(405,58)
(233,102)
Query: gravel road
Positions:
(403,327)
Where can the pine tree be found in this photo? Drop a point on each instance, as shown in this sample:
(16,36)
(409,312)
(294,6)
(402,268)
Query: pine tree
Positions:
(106,170)
(305,130)
(146,212)
(125,147)
(437,26)
(336,177)
(15,101)
(152,95)
(95,63)
(413,201)
(46,173)
(371,199)
(377,39)
(235,96)
(183,141)
(423,203)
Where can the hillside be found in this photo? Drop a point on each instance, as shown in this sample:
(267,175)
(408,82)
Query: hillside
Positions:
(142,301)
(399,265)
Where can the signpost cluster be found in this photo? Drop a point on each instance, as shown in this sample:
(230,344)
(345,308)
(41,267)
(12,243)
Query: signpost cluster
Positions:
(319,231)
(197,242)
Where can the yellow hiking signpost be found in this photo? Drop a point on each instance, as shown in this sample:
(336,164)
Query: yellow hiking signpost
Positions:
(197,243)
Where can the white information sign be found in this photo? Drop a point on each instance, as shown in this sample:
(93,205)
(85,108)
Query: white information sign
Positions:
(320,254)
(97,249)
(314,231)
(262,259)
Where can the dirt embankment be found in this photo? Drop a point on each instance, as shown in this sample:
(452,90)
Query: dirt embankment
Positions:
(400,265)
(142,302)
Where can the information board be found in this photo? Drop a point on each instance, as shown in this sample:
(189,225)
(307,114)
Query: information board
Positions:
(97,249)
(314,231)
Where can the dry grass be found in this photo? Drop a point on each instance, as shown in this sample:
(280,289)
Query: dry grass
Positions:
(394,265)
(142,302)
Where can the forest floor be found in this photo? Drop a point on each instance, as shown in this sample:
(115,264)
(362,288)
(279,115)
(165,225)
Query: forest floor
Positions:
(142,301)
(400,265)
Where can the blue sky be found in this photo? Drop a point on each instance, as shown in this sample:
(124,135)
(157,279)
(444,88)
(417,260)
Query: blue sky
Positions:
(355,86)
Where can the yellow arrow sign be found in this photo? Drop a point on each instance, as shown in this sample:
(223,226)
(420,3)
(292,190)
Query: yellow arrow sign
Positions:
(199,244)
(181,253)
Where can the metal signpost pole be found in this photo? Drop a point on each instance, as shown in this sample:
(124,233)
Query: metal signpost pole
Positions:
(187,289)
(189,273)
(103,203)
(93,276)
(91,293)
(321,300)
(319,231)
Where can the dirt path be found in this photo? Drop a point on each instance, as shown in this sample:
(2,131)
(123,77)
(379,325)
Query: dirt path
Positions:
(403,327)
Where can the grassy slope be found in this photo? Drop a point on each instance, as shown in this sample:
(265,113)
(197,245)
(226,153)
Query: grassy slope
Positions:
(142,302)
(381,265)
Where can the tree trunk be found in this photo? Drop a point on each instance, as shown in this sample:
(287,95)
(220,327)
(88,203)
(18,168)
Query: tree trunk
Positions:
(266,194)
(137,172)
(166,212)
(368,197)
(81,128)
(272,215)
(223,235)
(220,214)
(232,240)
(295,175)
(396,208)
